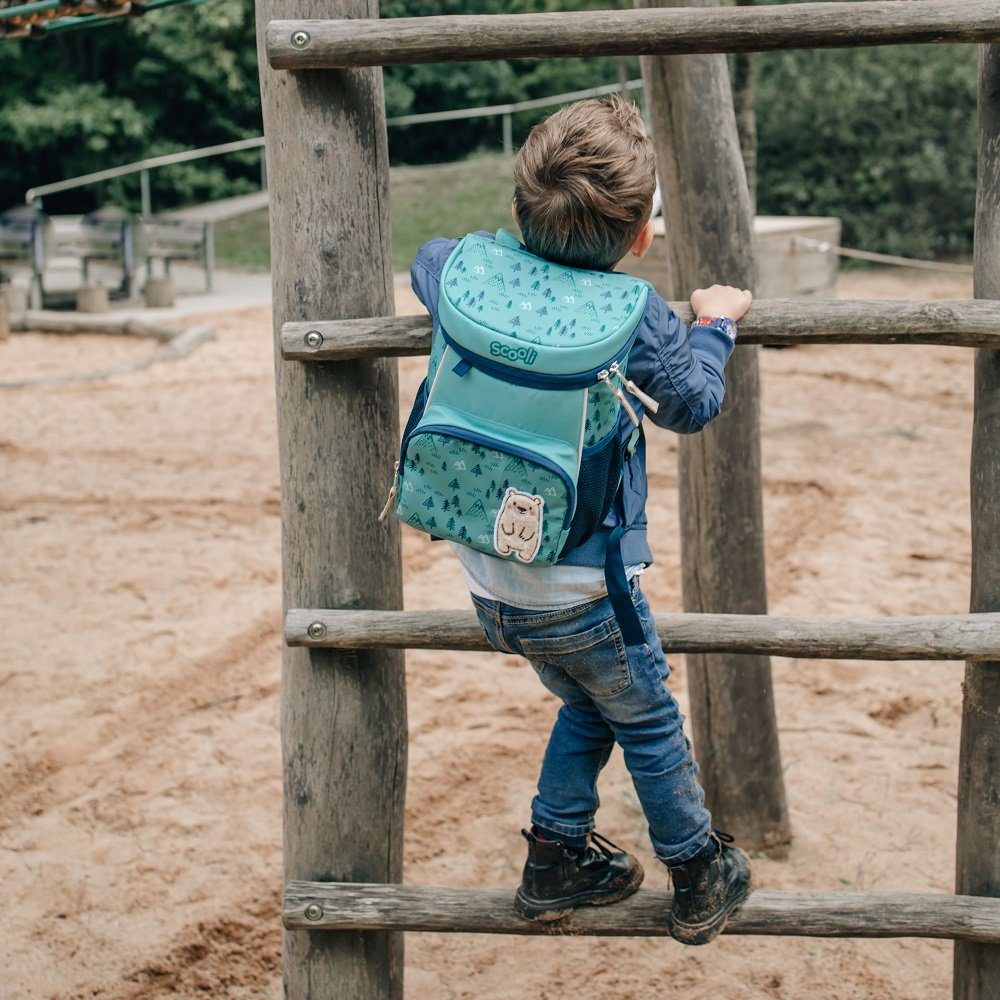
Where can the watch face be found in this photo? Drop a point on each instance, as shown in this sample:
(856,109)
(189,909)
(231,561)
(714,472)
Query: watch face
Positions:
(724,323)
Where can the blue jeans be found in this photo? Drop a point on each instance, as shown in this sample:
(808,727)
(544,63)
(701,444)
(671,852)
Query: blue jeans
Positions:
(611,694)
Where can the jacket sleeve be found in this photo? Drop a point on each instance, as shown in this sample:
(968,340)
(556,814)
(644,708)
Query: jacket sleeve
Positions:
(425,272)
(680,368)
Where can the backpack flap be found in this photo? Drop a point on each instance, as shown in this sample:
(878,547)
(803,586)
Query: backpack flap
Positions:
(526,319)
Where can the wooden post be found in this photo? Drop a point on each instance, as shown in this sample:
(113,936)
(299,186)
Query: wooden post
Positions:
(158,293)
(92,298)
(343,713)
(706,209)
(977,966)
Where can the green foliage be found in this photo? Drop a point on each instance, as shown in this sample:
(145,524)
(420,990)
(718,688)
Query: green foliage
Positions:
(884,138)
(176,79)
(415,89)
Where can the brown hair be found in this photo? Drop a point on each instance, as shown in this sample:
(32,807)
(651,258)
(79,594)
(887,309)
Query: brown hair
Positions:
(584,182)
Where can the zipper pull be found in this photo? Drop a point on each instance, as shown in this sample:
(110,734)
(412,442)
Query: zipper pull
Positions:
(623,399)
(651,404)
(392,492)
(605,376)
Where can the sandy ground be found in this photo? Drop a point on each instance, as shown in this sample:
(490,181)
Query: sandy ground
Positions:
(139,662)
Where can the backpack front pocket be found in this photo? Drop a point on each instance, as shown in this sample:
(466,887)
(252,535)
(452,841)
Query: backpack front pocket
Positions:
(499,498)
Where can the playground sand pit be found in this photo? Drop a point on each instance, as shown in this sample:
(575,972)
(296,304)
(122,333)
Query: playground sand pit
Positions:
(140,782)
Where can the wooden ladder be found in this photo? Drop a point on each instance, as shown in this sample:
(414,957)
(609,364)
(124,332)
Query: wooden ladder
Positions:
(343,697)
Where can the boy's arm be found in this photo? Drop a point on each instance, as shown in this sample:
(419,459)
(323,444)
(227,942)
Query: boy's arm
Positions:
(425,271)
(681,368)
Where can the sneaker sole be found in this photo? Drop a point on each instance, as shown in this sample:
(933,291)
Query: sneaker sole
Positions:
(695,934)
(549,910)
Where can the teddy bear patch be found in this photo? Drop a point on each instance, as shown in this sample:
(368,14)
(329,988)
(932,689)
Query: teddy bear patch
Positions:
(518,527)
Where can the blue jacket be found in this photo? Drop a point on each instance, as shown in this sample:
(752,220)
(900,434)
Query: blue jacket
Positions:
(681,368)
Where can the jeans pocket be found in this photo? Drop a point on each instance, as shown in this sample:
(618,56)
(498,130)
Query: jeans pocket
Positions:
(596,659)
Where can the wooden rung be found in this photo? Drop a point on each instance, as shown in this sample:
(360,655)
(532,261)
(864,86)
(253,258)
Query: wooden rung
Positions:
(928,637)
(466,37)
(342,906)
(954,323)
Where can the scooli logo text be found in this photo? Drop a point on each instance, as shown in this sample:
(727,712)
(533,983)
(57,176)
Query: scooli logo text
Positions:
(526,355)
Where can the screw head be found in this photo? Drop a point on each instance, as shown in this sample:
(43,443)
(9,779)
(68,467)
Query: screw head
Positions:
(300,39)
(317,630)
(314,911)
(314,339)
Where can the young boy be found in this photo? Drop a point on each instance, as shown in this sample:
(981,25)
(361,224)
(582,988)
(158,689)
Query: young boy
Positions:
(583,191)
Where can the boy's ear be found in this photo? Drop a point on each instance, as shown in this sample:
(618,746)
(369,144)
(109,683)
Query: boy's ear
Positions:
(644,240)
(513,212)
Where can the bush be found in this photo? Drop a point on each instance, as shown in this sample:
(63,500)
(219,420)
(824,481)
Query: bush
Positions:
(885,138)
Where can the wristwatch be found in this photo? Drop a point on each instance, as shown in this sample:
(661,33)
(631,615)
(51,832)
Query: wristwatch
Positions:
(724,323)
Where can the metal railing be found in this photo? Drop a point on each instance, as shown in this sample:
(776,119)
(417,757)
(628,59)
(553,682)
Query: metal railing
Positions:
(506,111)
(33,196)
(143,167)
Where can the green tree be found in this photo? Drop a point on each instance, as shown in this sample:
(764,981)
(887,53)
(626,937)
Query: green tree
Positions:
(884,138)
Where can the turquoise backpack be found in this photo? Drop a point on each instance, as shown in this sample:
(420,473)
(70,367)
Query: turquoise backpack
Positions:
(513,445)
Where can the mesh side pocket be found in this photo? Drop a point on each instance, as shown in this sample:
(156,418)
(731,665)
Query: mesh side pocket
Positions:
(600,476)
(419,403)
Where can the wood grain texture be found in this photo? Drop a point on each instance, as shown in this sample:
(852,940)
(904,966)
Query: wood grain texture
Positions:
(489,911)
(959,323)
(706,210)
(343,713)
(463,38)
(977,966)
(928,637)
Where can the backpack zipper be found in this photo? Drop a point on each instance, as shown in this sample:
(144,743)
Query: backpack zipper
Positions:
(605,376)
(393,492)
(535,380)
(511,449)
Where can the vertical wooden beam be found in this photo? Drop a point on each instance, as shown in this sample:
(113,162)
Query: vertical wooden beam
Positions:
(977,966)
(343,713)
(708,235)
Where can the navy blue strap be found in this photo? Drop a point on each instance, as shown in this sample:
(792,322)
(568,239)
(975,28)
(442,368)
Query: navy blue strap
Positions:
(619,591)
(462,367)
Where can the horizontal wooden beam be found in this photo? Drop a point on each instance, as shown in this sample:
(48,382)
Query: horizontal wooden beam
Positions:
(322,44)
(955,323)
(337,906)
(929,637)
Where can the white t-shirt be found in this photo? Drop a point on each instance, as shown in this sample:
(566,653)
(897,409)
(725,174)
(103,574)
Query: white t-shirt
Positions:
(529,586)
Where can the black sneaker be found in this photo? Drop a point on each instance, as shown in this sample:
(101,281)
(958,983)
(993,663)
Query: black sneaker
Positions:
(707,891)
(557,878)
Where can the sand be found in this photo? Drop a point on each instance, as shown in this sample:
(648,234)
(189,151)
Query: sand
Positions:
(140,791)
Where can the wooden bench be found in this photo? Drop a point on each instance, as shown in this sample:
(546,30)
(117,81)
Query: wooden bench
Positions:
(168,240)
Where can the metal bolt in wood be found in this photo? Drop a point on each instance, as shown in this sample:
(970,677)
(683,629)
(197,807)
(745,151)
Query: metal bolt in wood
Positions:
(314,911)
(300,39)
(317,630)
(314,339)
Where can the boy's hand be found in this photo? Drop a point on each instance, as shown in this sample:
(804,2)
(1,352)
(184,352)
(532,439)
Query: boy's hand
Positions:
(721,300)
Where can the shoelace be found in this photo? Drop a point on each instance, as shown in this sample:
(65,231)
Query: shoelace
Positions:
(680,875)
(605,846)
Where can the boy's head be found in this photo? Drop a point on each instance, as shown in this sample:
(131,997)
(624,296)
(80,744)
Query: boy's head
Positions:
(584,182)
